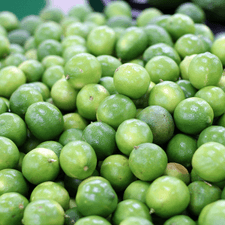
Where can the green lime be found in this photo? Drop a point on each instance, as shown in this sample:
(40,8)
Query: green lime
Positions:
(3,106)
(80,11)
(52,191)
(128,208)
(187,88)
(184,66)
(73,50)
(11,78)
(22,98)
(179,171)
(96,17)
(208,161)
(180,149)
(131,43)
(202,194)
(42,127)
(167,196)
(101,41)
(108,83)
(136,221)
(72,215)
(193,115)
(9,154)
(162,68)
(131,80)
(101,137)
(66,21)
(117,8)
(71,184)
(3,31)
(30,44)
(131,133)
(116,170)
(48,30)
(52,60)
(12,207)
(52,74)
(92,220)
(115,109)
(15,59)
(121,21)
(109,64)
(32,69)
(13,181)
(19,164)
(136,190)
(49,47)
(212,213)
(180,219)
(95,196)
(78,159)
(30,23)
(13,127)
(189,44)
(74,120)
(161,20)
(18,36)
(204,30)
(69,135)
(157,34)
(73,40)
(148,161)
(179,24)
(166,94)
(147,15)
(88,100)
(83,69)
(39,165)
(52,14)
(205,70)
(64,96)
(52,145)
(159,50)
(160,122)
(43,211)
(9,20)
(31,54)
(77,28)
(218,48)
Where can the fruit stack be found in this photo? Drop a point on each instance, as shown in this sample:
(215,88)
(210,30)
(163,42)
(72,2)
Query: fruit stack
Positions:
(109,120)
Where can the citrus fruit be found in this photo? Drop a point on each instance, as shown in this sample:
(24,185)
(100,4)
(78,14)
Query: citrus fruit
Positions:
(73,40)
(193,115)
(53,191)
(101,41)
(180,149)
(162,68)
(12,207)
(42,127)
(187,87)
(83,69)
(128,208)
(115,109)
(11,78)
(43,211)
(135,221)
(39,165)
(30,23)
(136,190)
(22,98)
(52,14)
(184,66)
(69,135)
(208,161)
(131,133)
(9,154)
(101,137)
(12,180)
(72,215)
(153,167)
(79,11)
(9,20)
(52,60)
(107,83)
(131,80)
(212,134)
(5,46)
(77,28)
(167,196)
(202,194)
(180,219)
(13,127)
(116,170)
(52,145)
(217,49)
(160,122)
(95,196)
(166,94)
(78,159)
(205,70)
(88,100)
(96,17)
(92,220)
(64,95)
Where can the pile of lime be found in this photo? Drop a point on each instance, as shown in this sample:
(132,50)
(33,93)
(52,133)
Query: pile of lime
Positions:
(108,120)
